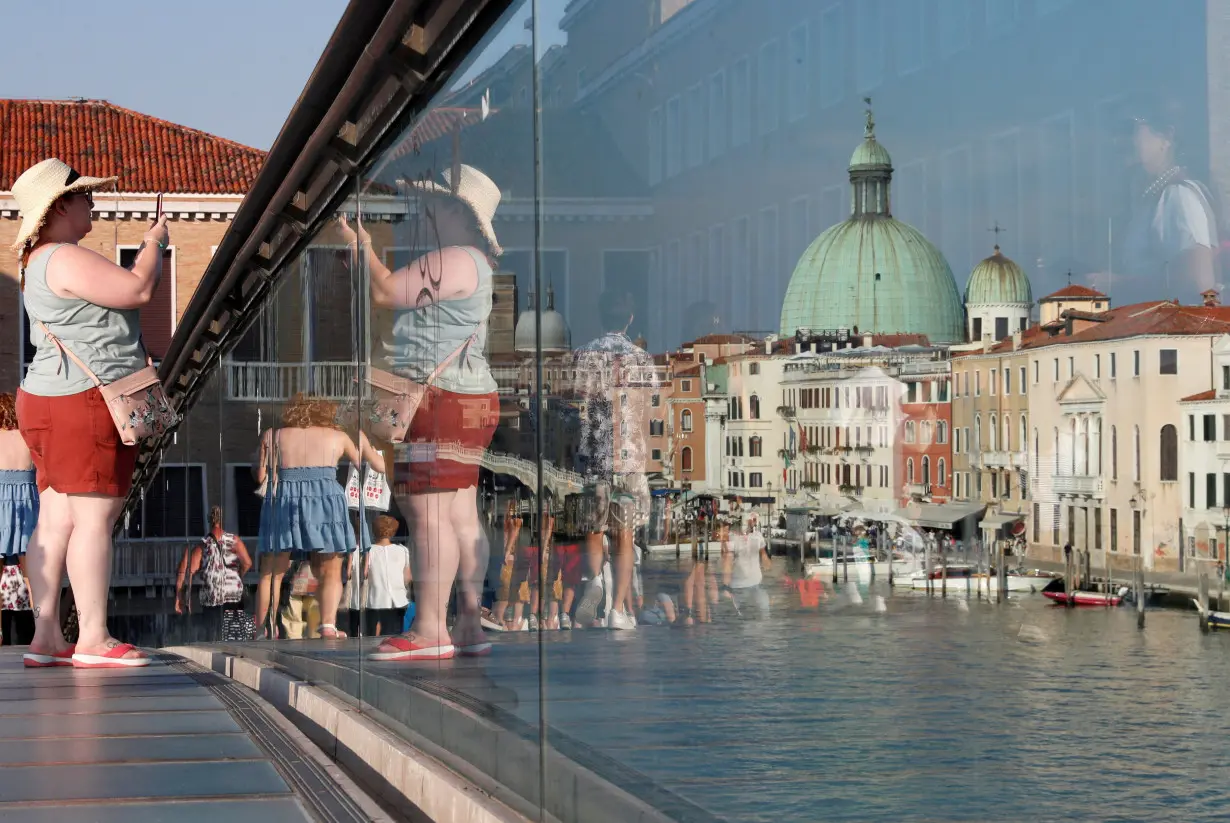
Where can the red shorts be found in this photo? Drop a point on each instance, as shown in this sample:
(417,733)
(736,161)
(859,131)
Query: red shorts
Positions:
(75,445)
(447,439)
(569,555)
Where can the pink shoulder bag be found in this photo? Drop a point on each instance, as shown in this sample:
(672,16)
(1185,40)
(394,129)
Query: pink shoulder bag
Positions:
(138,404)
(395,400)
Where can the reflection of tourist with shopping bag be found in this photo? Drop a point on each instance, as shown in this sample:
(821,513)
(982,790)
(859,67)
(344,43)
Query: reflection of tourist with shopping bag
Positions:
(374,491)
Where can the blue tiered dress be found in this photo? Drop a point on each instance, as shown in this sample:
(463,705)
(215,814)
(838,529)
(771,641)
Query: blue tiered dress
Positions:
(305,511)
(18,510)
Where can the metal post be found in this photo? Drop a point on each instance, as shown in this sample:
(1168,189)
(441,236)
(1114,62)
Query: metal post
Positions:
(927,565)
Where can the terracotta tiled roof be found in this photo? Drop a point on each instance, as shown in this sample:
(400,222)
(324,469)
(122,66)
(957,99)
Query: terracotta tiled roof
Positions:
(1150,318)
(1073,291)
(1211,394)
(721,339)
(100,139)
(437,123)
(690,371)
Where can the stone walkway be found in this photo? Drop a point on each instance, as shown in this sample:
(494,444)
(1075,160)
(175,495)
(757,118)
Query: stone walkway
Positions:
(164,743)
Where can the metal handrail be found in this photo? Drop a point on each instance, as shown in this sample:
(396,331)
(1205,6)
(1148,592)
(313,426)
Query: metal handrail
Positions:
(335,132)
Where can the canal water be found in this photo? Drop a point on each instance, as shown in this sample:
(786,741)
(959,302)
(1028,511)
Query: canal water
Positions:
(1021,711)
(932,710)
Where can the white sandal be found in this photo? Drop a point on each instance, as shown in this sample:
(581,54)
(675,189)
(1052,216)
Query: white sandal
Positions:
(329,631)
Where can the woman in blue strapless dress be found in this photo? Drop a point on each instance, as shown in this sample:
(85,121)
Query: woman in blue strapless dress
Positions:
(18,514)
(305,511)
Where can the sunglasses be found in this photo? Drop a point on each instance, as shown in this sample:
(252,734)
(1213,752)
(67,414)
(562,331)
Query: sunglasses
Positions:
(89,196)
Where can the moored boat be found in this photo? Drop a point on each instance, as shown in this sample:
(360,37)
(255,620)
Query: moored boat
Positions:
(1023,582)
(1212,619)
(1057,592)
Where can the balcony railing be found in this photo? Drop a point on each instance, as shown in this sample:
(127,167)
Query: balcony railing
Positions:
(278,382)
(1002,459)
(1078,485)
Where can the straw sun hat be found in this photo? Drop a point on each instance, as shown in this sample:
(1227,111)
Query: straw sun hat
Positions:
(42,185)
(476,190)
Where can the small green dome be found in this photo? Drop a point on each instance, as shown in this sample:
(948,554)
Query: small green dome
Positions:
(997,281)
(835,283)
(870,153)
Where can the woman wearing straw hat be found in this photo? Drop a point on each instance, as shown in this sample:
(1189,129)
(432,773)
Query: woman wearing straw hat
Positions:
(84,471)
(441,302)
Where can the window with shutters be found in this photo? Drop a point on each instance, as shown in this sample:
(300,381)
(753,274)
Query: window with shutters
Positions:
(1169,453)
(158,316)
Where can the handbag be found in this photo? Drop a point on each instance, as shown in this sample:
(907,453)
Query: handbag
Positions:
(395,400)
(138,403)
(375,492)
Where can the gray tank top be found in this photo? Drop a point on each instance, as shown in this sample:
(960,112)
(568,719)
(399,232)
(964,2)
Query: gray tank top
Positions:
(422,338)
(107,340)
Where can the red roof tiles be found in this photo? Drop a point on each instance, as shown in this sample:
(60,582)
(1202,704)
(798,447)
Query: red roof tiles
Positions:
(1150,318)
(100,139)
(1074,291)
(1211,394)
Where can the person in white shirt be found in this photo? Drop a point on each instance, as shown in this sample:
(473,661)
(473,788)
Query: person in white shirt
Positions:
(745,558)
(1171,245)
(388,578)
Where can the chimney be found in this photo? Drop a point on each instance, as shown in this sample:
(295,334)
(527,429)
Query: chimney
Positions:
(1210,297)
(1016,339)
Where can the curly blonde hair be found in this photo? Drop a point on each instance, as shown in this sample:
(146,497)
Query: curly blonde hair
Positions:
(8,412)
(306,411)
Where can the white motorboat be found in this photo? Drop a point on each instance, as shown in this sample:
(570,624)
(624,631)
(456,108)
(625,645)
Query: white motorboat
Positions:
(858,567)
(962,578)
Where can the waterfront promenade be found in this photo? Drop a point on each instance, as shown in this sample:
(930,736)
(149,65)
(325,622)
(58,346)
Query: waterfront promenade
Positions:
(170,742)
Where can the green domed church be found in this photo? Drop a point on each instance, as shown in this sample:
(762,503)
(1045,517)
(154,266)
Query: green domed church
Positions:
(872,272)
(998,298)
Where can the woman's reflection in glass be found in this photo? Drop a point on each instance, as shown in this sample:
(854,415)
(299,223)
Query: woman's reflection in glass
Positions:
(1174,227)
(441,303)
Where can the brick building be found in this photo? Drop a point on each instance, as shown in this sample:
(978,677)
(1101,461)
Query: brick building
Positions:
(204,178)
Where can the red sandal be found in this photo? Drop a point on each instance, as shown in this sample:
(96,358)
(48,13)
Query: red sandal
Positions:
(37,660)
(113,659)
(402,648)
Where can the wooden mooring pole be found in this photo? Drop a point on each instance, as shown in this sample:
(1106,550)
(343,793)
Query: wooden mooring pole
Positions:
(943,574)
(1140,594)
(1202,598)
